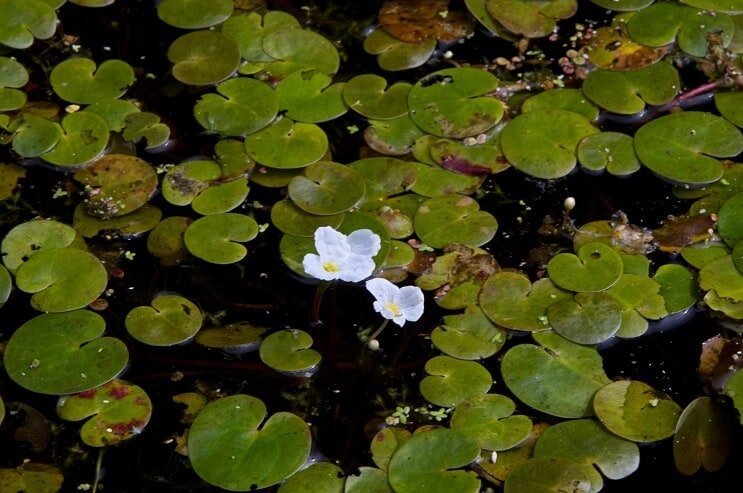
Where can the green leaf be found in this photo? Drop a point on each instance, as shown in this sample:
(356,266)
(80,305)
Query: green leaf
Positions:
(194,14)
(216,238)
(327,188)
(450,381)
(704,437)
(77,80)
(596,267)
(369,96)
(24,20)
(489,419)
(84,138)
(320,477)
(308,96)
(454,219)
(395,55)
(287,145)
(203,57)
(288,351)
(169,320)
(244,107)
(548,475)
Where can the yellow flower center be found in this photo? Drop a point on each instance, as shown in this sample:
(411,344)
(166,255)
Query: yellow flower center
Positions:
(394,309)
(331,267)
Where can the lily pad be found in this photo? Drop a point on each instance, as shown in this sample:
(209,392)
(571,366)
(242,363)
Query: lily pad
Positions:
(77,80)
(6,286)
(424,463)
(528,18)
(420,20)
(729,105)
(308,96)
(248,30)
(454,219)
(114,112)
(589,318)
(393,136)
(129,225)
(64,353)
(84,138)
(635,411)
(244,107)
(201,184)
(235,338)
(723,277)
(288,351)
(453,102)
(558,377)
(369,96)
(117,184)
(730,220)
(470,335)
(610,151)
(169,320)
(385,442)
(287,145)
(369,480)
(227,449)
(194,14)
(327,188)
(586,441)
(472,160)
(147,126)
(320,477)
(451,381)
(12,76)
(623,5)
(734,389)
(562,99)
(203,57)
(703,437)
(489,419)
(547,475)
(663,23)
(35,136)
(62,279)
(118,411)
(25,239)
(628,92)
(216,238)
(395,55)
(22,21)
(542,143)
(292,50)
(32,477)
(596,267)
(290,219)
(611,47)
(165,241)
(511,301)
(678,286)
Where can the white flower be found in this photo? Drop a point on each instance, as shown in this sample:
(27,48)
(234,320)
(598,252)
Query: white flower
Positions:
(395,303)
(348,258)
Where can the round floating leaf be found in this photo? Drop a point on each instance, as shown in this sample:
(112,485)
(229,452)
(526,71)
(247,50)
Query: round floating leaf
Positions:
(468,336)
(558,377)
(423,464)
(203,57)
(6,286)
(734,389)
(542,143)
(62,279)
(548,475)
(92,3)
(249,29)
(194,14)
(386,442)
(473,160)
(730,6)
(369,480)
(31,477)
(320,477)
(114,112)
(723,277)
(623,5)
(611,47)
(434,181)
(288,351)
(454,219)
(730,106)
(227,449)
(23,20)
(117,184)
(662,23)
(489,420)
(511,301)
(236,338)
(118,411)
(587,442)
(135,223)
(231,156)
(170,320)
(292,50)
(635,411)
(217,238)
(699,257)
(78,81)
(369,96)
(450,381)
(287,145)
(612,151)
(530,19)
(394,136)
(730,220)
(244,107)
(678,286)
(308,96)
(64,353)
(639,293)
(704,435)
(395,55)
(628,92)
(293,249)
(25,239)
(452,102)
(327,188)
(146,126)
(589,318)
(562,99)
(290,219)
(165,241)
(84,139)
(12,76)
(595,268)
(35,136)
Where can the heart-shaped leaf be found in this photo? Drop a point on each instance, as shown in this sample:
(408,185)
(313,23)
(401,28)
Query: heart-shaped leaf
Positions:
(292,50)
(489,419)
(589,318)
(35,136)
(170,320)
(320,477)
(22,21)
(454,219)
(78,81)
(84,138)
(548,475)
(203,57)
(530,19)
(612,151)
(287,145)
(244,107)
(596,267)
(194,14)
(308,96)
(12,76)
(217,238)
(248,30)
(451,381)
(369,96)
(327,188)
(288,351)
(394,55)
(703,437)
(25,239)
(468,336)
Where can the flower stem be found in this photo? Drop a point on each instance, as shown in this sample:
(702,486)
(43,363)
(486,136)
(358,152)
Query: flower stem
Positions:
(322,286)
(379,330)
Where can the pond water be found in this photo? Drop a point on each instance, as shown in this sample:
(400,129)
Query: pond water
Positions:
(354,392)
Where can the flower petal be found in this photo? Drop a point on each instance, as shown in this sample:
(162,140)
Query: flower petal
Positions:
(410,300)
(383,290)
(331,244)
(356,268)
(364,242)
(313,266)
